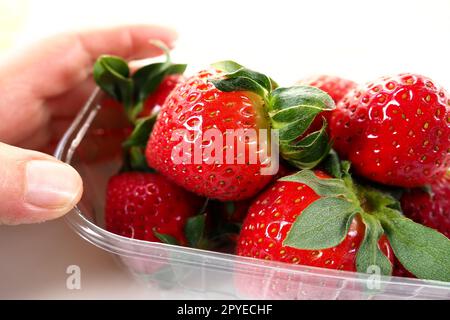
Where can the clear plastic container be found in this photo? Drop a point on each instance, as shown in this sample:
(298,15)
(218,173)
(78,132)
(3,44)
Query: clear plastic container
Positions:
(178,272)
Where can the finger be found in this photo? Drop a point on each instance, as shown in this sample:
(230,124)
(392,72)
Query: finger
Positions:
(66,60)
(38,140)
(68,104)
(45,135)
(35,187)
(52,68)
(131,42)
(20,116)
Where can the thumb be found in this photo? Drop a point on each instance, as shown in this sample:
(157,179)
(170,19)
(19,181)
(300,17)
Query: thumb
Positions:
(35,187)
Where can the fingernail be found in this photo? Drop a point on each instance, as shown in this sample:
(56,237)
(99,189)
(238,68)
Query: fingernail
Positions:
(51,184)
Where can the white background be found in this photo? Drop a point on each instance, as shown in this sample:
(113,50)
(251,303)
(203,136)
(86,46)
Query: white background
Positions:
(288,40)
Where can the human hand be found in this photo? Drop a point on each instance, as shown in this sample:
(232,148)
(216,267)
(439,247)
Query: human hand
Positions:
(41,89)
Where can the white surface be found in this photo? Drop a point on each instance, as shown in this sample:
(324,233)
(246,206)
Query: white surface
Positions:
(286,39)
(34,260)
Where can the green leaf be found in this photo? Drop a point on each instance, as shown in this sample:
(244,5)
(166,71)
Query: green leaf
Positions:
(111,74)
(260,78)
(308,152)
(284,98)
(323,187)
(113,64)
(323,224)
(293,121)
(238,78)
(332,165)
(227,66)
(148,78)
(176,69)
(369,253)
(239,84)
(134,146)
(421,250)
(165,238)
(194,229)
(141,132)
(137,160)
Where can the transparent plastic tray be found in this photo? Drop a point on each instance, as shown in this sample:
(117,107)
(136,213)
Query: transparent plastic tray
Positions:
(184,273)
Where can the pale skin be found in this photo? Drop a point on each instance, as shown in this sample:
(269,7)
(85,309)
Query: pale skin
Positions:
(41,90)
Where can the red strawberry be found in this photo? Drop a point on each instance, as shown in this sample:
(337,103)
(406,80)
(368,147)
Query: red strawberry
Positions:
(138,204)
(336,87)
(395,130)
(270,218)
(238,100)
(430,208)
(146,206)
(311,219)
(206,106)
(400,271)
(236,211)
(157,98)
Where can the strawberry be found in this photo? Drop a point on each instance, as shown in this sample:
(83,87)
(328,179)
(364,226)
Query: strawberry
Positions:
(146,206)
(430,207)
(395,130)
(271,217)
(231,182)
(231,97)
(312,219)
(336,87)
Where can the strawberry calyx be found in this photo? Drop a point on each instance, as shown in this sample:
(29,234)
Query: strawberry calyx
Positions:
(114,77)
(291,110)
(112,74)
(134,146)
(325,223)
